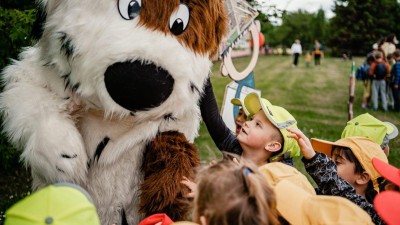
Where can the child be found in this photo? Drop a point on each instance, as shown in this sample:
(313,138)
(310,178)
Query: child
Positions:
(264,137)
(308,59)
(228,194)
(298,203)
(395,80)
(368,126)
(226,141)
(348,173)
(367,81)
(241,116)
(379,71)
(298,206)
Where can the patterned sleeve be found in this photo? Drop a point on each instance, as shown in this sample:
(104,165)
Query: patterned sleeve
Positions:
(323,170)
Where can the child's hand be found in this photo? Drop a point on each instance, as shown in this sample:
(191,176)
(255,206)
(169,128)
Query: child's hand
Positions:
(236,161)
(191,185)
(304,143)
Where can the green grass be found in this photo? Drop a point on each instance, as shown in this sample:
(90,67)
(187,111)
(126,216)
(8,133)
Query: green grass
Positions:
(317,97)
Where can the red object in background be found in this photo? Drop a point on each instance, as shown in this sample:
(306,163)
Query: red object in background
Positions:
(261,40)
(156,218)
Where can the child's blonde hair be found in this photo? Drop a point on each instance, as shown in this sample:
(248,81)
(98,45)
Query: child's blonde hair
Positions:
(229,194)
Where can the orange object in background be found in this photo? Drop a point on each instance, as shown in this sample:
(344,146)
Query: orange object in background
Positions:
(261,40)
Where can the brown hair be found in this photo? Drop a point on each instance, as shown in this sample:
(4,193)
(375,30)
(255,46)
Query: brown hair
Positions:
(228,194)
(396,53)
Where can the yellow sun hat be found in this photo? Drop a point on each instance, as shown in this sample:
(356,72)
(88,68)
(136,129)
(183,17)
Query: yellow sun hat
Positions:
(299,207)
(275,172)
(364,149)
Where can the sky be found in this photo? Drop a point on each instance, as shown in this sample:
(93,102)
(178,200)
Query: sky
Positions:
(307,5)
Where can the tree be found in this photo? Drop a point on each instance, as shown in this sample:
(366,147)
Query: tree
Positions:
(360,23)
(16,20)
(300,25)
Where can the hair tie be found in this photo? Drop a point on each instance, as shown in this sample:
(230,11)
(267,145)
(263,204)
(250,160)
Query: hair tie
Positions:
(247,171)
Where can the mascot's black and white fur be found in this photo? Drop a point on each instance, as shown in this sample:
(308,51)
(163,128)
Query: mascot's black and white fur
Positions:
(103,80)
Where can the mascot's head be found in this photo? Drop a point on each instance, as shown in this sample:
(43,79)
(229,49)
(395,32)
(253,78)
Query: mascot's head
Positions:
(132,57)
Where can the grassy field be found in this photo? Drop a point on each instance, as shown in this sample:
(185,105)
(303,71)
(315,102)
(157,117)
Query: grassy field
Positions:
(316,96)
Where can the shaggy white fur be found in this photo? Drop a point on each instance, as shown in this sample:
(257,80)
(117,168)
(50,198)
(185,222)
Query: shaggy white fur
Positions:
(59,128)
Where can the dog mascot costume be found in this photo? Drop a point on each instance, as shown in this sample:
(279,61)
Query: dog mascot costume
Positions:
(108,99)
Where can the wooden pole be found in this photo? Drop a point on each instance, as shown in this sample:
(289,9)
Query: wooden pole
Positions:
(351,90)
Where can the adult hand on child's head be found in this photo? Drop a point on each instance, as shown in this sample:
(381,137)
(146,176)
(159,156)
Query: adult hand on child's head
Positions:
(304,143)
(191,185)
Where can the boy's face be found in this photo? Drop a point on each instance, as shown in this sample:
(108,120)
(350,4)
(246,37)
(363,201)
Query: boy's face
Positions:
(345,168)
(239,120)
(257,132)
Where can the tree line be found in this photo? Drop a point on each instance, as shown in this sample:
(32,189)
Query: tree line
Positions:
(355,27)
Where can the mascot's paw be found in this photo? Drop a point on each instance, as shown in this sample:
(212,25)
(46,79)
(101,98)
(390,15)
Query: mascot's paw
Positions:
(55,152)
(167,159)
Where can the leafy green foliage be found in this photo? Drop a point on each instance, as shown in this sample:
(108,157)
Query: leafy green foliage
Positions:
(300,25)
(15,29)
(359,24)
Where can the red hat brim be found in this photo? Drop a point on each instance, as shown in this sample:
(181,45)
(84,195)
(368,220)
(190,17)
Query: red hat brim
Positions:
(156,218)
(388,171)
(386,205)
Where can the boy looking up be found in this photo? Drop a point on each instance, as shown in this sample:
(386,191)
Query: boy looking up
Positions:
(264,137)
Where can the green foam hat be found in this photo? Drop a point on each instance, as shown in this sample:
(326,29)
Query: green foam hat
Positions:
(59,204)
(278,116)
(368,126)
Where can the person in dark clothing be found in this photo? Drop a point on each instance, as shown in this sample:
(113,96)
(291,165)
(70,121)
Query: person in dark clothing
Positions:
(226,140)
(395,80)
(318,53)
(344,168)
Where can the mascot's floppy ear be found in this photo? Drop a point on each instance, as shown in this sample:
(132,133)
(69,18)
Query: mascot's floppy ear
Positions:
(168,158)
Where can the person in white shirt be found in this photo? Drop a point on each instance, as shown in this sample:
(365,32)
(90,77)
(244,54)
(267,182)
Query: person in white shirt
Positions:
(296,51)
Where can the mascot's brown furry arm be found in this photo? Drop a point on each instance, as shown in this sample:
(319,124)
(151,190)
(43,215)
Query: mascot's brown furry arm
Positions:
(108,98)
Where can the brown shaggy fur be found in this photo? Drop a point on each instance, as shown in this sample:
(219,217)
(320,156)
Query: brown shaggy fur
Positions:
(207,24)
(167,159)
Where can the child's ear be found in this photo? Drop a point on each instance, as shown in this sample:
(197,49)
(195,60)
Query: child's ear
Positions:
(273,146)
(363,178)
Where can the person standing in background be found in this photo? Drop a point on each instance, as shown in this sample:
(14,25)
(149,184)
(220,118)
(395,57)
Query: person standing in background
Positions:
(308,59)
(389,46)
(318,52)
(296,52)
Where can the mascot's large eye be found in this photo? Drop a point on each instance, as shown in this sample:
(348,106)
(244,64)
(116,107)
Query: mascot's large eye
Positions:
(179,20)
(129,9)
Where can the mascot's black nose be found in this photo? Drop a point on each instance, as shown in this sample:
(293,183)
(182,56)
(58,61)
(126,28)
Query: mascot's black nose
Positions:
(136,86)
